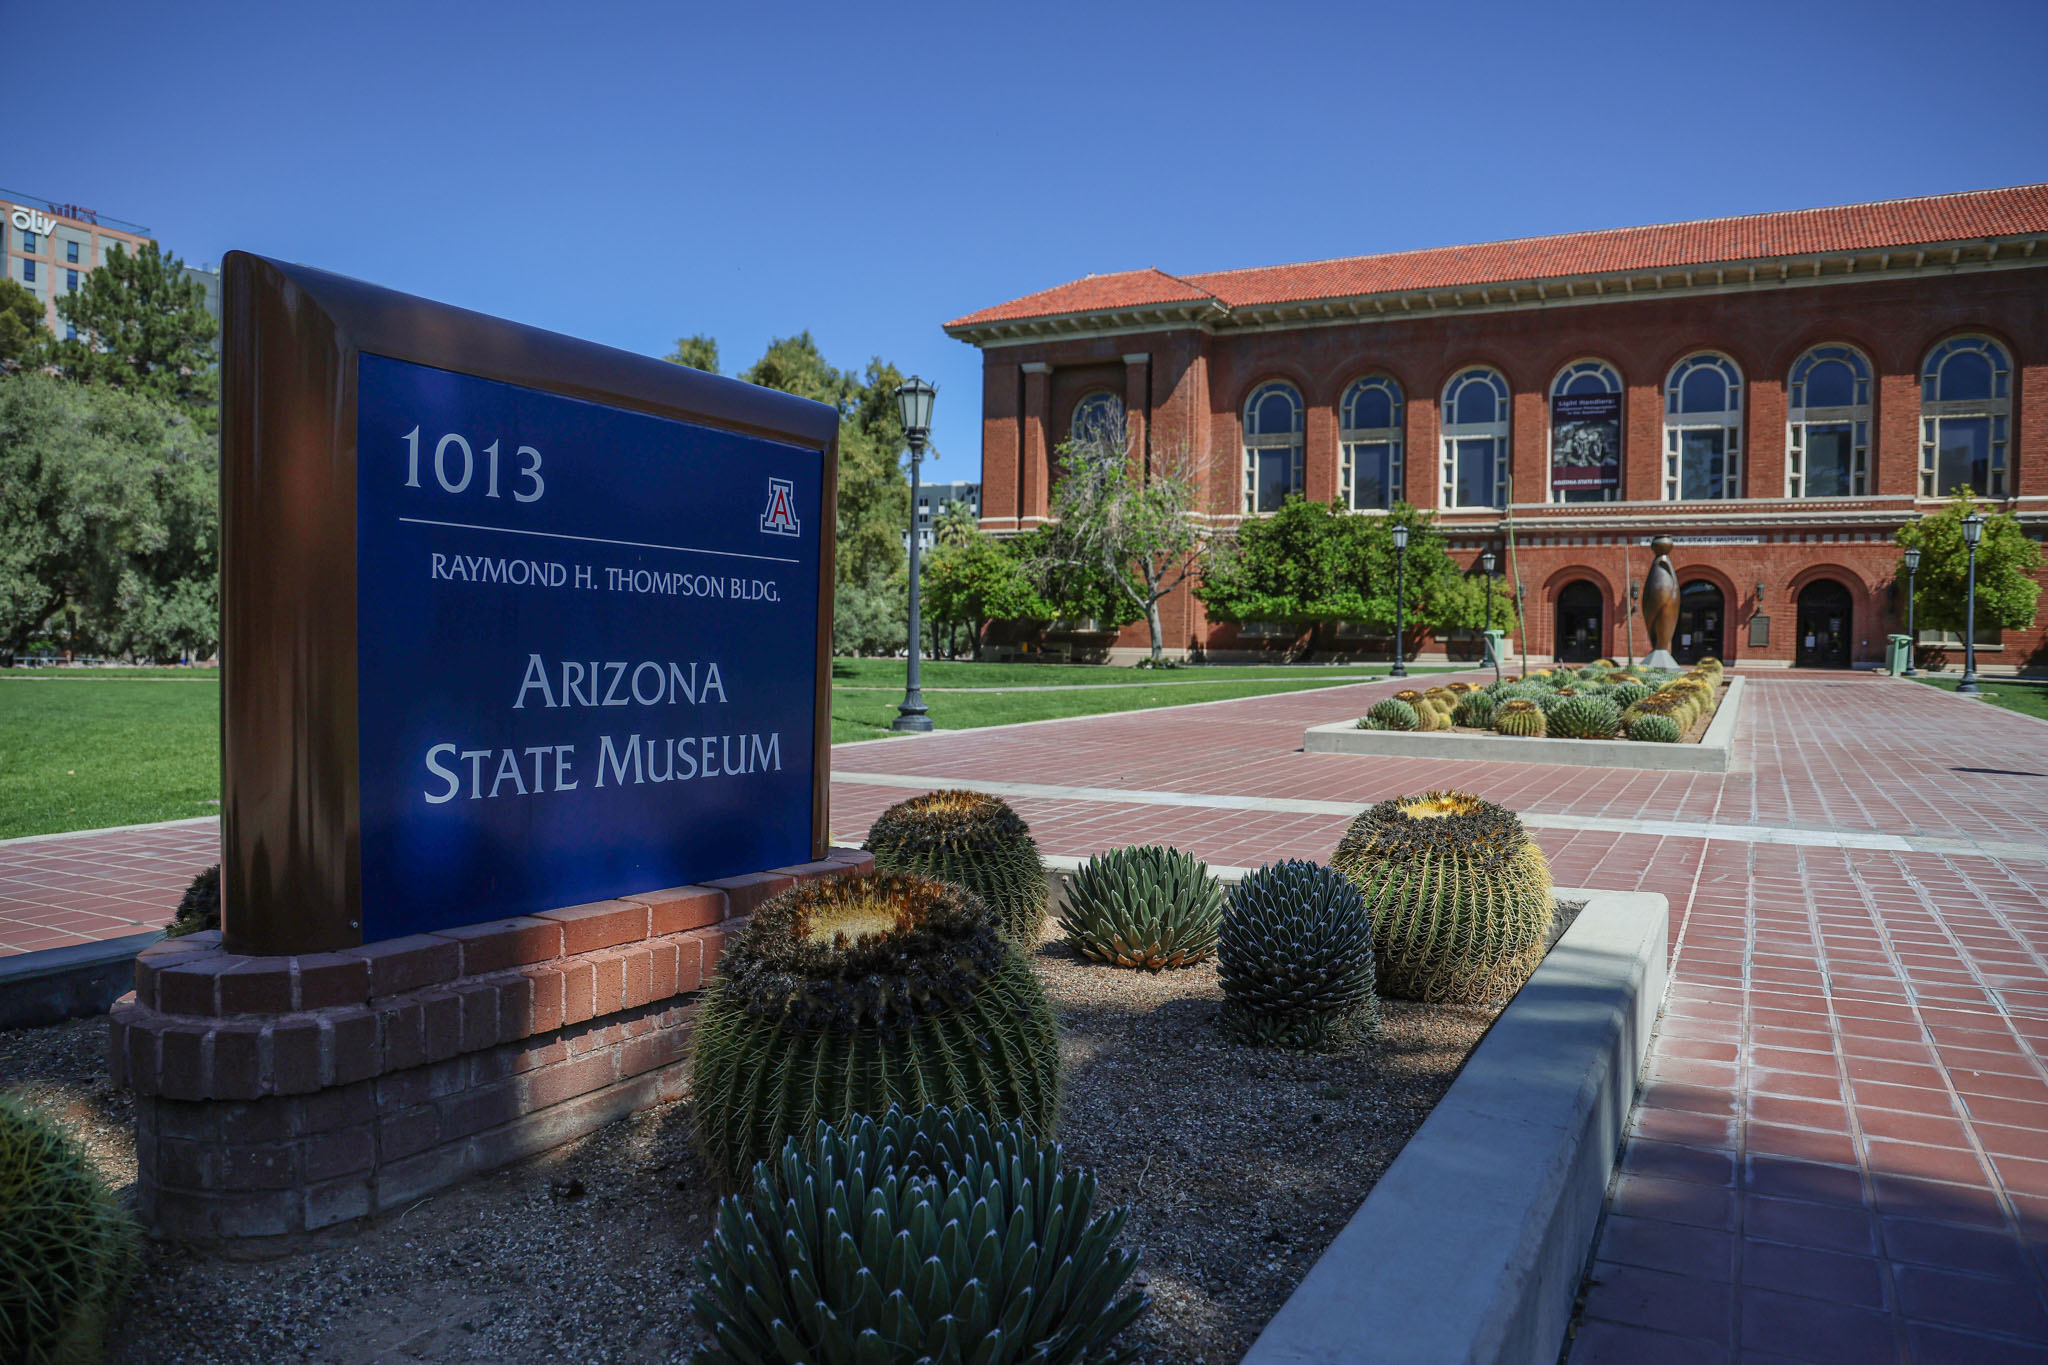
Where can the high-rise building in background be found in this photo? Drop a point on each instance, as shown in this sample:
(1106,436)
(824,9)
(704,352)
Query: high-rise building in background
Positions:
(49,248)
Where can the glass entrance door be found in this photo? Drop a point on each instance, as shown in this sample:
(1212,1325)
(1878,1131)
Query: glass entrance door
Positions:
(1702,622)
(1825,623)
(1579,637)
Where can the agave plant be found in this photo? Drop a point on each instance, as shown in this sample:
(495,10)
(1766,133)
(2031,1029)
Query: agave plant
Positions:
(1475,709)
(1148,907)
(1295,958)
(940,1238)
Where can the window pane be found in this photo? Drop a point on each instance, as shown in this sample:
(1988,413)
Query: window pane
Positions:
(1476,403)
(1472,474)
(1703,390)
(1965,375)
(1589,382)
(1371,481)
(1276,478)
(1829,450)
(1275,415)
(1830,384)
(1964,459)
(1702,463)
(1372,409)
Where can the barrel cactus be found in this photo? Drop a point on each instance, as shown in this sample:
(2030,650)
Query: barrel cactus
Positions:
(1149,907)
(199,908)
(1410,695)
(1442,697)
(1460,687)
(1295,958)
(1654,730)
(65,1257)
(1389,714)
(973,841)
(1459,895)
(1519,717)
(935,1236)
(846,995)
(1584,718)
(1433,718)
(1474,709)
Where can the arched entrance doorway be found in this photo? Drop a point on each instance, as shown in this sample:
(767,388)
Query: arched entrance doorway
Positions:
(1702,623)
(1579,610)
(1826,618)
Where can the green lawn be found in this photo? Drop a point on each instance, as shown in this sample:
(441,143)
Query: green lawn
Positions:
(82,753)
(2028,698)
(84,749)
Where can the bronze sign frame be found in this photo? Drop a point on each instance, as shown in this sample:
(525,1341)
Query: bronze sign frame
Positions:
(291,846)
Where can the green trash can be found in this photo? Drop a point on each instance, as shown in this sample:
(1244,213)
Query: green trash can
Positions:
(1898,654)
(1494,653)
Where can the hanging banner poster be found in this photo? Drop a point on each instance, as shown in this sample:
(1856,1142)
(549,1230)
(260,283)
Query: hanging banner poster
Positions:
(1585,440)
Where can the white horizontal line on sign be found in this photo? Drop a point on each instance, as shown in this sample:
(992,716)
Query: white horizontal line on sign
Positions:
(600,540)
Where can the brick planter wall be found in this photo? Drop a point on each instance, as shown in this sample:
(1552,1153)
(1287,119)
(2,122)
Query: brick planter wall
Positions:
(281,1095)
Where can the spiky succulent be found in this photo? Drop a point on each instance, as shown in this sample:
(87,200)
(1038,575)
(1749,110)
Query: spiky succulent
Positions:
(1517,691)
(1460,687)
(1627,694)
(937,1237)
(1441,697)
(1678,708)
(1459,895)
(1474,709)
(1295,958)
(1433,718)
(1654,730)
(1605,663)
(1410,695)
(974,841)
(67,1247)
(1584,718)
(1389,713)
(1710,662)
(1147,906)
(1520,717)
(847,995)
(199,908)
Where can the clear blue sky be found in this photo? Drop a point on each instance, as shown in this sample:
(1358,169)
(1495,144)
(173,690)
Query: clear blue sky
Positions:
(632,173)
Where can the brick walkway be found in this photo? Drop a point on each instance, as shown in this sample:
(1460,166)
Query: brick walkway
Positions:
(1841,1153)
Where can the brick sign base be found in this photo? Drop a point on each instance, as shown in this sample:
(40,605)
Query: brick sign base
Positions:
(281,1095)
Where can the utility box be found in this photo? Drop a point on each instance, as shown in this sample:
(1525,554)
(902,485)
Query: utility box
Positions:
(1898,654)
(1494,639)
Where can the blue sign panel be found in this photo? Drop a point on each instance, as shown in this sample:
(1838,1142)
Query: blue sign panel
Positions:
(586,649)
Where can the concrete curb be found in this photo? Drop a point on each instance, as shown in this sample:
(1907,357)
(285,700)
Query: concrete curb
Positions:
(55,984)
(1713,754)
(1470,1249)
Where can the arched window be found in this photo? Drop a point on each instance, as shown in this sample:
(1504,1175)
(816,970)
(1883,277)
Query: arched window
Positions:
(1827,424)
(1272,446)
(1703,429)
(1098,419)
(1965,408)
(1371,437)
(1585,433)
(1475,458)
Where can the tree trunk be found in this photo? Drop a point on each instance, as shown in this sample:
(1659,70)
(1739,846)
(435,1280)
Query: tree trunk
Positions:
(1158,631)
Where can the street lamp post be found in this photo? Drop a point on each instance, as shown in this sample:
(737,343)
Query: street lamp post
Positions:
(1973,531)
(1486,563)
(1912,558)
(914,407)
(1400,669)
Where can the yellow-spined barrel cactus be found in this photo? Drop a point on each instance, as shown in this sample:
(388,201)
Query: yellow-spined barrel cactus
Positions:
(1654,730)
(1459,895)
(971,840)
(1295,957)
(844,996)
(1460,687)
(1390,713)
(65,1244)
(1583,717)
(1519,716)
(1147,907)
(1433,717)
(936,1237)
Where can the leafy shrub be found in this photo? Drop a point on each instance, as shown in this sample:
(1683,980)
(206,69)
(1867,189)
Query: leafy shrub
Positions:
(847,995)
(1459,895)
(939,1237)
(1147,906)
(67,1245)
(973,841)
(1295,957)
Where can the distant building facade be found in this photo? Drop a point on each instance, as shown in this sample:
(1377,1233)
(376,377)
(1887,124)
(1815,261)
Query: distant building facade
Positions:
(1780,393)
(49,248)
(935,498)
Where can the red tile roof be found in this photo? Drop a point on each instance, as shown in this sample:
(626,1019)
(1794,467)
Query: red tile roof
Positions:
(1886,224)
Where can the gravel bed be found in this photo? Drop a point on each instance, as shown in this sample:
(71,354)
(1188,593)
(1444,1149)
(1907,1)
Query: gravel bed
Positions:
(1240,1164)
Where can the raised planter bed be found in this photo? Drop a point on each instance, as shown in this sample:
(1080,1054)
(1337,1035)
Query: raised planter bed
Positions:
(1714,753)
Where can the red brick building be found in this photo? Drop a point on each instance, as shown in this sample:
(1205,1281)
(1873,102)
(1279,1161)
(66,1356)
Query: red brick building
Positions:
(1779,392)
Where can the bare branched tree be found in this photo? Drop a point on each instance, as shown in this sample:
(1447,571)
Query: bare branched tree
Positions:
(1136,526)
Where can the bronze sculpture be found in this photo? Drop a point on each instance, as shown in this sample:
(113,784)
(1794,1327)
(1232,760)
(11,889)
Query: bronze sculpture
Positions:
(1660,604)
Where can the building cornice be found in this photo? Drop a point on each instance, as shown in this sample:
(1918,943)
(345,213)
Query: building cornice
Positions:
(1798,271)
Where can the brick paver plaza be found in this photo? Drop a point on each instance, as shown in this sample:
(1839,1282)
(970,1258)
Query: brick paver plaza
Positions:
(1840,1153)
